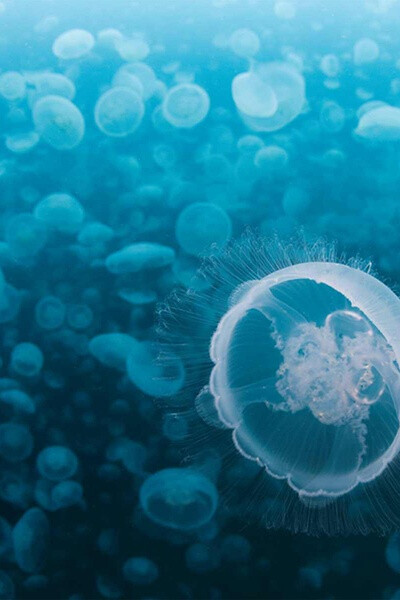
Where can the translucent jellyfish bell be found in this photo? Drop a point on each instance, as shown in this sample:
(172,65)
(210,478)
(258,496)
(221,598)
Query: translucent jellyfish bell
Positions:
(182,499)
(305,373)
(59,122)
(73,43)
(186,105)
(119,112)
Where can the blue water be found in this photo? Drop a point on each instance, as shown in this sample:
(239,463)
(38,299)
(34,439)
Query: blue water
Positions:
(158,159)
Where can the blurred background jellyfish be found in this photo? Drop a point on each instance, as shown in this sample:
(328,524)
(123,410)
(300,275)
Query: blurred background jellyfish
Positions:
(304,374)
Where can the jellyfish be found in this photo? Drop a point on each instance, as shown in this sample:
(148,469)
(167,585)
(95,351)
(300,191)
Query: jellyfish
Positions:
(12,86)
(144,73)
(30,540)
(66,493)
(27,359)
(155,370)
(57,463)
(365,51)
(79,316)
(201,558)
(25,236)
(16,442)
(179,498)
(269,96)
(73,43)
(141,256)
(301,356)
(380,124)
(132,49)
(202,226)
(244,43)
(21,143)
(50,313)
(140,570)
(119,112)
(60,212)
(49,84)
(112,349)
(59,122)
(186,105)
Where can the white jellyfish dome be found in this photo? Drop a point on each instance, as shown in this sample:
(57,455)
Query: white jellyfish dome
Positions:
(303,374)
(306,375)
(119,112)
(58,122)
(73,43)
(269,96)
(186,105)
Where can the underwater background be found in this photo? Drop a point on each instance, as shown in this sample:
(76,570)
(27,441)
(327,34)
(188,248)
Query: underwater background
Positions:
(135,136)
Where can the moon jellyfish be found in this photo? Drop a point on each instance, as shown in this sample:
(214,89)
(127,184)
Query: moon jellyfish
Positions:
(186,105)
(202,226)
(30,540)
(65,494)
(365,51)
(140,570)
(244,43)
(12,86)
(155,370)
(182,499)
(27,359)
(16,442)
(49,84)
(61,212)
(25,236)
(119,112)
(59,122)
(140,256)
(269,96)
(57,463)
(73,43)
(50,312)
(381,124)
(303,370)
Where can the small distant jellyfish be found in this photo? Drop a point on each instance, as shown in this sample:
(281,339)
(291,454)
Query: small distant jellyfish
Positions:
(305,373)
(119,112)
(50,312)
(330,65)
(27,359)
(244,43)
(140,256)
(201,227)
(73,43)
(65,494)
(25,236)
(30,540)
(140,570)
(365,51)
(49,84)
(155,370)
(12,86)
(132,49)
(61,212)
(186,105)
(179,498)
(57,463)
(16,442)
(59,122)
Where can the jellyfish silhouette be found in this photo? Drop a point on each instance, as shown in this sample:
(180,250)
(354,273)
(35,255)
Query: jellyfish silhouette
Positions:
(301,350)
